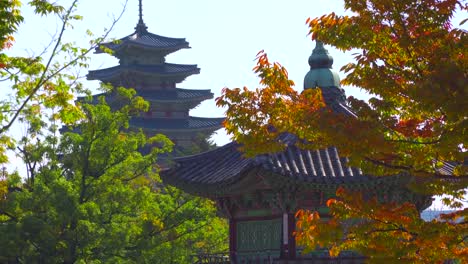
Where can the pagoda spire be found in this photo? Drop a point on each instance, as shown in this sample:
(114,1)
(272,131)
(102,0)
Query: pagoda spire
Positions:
(140,27)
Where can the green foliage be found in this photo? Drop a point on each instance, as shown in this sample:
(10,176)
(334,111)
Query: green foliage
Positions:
(93,197)
(10,18)
(89,195)
(41,83)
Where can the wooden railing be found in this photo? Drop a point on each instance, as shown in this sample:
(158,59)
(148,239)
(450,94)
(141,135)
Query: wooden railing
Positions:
(272,258)
(220,258)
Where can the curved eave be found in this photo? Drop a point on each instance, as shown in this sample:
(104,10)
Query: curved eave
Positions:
(248,178)
(187,124)
(330,184)
(188,98)
(219,171)
(196,100)
(130,45)
(237,170)
(235,184)
(177,95)
(152,70)
(147,41)
(182,130)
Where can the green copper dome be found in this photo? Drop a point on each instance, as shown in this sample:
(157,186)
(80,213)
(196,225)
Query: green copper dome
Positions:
(321,74)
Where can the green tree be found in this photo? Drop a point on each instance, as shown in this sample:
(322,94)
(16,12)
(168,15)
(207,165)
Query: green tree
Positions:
(45,81)
(413,61)
(92,196)
(89,195)
(210,235)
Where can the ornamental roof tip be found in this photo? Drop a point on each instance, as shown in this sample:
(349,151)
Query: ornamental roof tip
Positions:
(322,76)
(141,37)
(320,58)
(140,27)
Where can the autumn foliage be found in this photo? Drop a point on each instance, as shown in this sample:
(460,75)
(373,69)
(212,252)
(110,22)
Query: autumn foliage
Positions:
(383,231)
(413,61)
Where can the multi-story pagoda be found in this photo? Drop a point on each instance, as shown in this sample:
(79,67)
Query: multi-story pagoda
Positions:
(142,66)
(260,195)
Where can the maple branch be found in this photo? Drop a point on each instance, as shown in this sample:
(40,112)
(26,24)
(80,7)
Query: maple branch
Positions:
(415,142)
(401,229)
(405,30)
(410,168)
(385,164)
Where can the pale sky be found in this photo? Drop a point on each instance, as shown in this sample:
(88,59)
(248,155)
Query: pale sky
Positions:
(225,37)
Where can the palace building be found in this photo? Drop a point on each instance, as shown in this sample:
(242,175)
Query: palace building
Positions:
(260,195)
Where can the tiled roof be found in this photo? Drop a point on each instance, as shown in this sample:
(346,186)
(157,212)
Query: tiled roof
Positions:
(448,168)
(226,165)
(219,166)
(148,40)
(175,124)
(172,95)
(177,94)
(324,165)
(161,69)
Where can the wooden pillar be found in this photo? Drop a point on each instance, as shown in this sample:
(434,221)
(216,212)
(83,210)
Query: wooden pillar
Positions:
(288,246)
(232,239)
(292,239)
(285,237)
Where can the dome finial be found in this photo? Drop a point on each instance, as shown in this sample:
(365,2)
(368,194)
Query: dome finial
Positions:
(141,27)
(322,76)
(320,57)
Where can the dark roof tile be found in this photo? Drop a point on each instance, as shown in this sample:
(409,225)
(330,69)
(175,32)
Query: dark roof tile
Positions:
(175,124)
(176,94)
(161,69)
(226,165)
(148,40)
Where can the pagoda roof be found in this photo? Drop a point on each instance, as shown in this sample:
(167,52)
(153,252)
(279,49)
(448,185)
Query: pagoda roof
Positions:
(177,94)
(172,95)
(212,172)
(190,123)
(157,69)
(147,40)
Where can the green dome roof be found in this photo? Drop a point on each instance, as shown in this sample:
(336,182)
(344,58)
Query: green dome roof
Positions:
(321,74)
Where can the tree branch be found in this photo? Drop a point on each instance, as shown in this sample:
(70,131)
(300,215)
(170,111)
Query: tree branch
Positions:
(43,79)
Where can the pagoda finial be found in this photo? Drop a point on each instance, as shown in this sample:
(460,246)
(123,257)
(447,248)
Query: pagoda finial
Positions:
(320,57)
(141,27)
(319,45)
